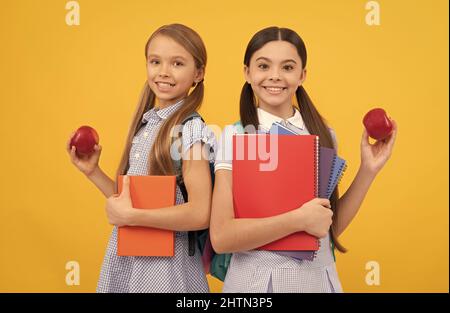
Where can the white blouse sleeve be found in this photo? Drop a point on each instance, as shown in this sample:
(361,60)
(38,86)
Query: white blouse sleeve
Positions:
(224,155)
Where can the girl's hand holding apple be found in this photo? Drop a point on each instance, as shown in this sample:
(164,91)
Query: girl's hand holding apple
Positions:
(84,149)
(380,127)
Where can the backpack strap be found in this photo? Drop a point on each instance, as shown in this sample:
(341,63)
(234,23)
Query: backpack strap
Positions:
(192,235)
(178,163)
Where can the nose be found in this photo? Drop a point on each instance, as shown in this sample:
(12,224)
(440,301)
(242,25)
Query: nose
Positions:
(274,75)
(164,70)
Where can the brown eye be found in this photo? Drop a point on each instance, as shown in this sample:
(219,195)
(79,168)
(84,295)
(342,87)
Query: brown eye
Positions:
(263,66)
(288,67)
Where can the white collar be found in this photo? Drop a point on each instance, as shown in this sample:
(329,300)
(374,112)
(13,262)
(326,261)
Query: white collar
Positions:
(162,113)
(266,119)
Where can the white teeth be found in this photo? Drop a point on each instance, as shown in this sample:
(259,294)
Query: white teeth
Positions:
(274,89)
(165,84)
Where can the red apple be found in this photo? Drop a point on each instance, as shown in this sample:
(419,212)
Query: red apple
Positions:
(378,124)
(84,139)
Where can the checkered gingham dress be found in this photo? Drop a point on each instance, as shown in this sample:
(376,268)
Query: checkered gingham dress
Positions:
(181,273)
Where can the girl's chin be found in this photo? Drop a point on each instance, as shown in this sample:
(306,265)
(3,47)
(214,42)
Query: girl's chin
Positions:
(162,94)
(166,99)
(166,96)
(275,102)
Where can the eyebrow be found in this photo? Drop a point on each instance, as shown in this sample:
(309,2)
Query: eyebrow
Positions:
(174,57)
(268,60)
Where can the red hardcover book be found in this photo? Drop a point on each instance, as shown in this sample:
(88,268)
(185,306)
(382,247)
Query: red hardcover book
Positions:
(273,174)
(148,192)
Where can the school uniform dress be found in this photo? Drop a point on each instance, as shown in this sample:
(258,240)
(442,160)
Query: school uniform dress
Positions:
(180,273)
(266,271)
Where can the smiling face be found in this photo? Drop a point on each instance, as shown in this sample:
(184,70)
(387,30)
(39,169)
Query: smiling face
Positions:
(275,72)
(171,70)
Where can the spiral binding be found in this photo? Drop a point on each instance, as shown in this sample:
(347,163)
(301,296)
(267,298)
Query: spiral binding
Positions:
(342,173)
(316,182)
(330,179)
(316,170)
(341,170)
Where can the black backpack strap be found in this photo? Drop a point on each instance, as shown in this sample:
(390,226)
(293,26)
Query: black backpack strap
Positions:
(192,235)
(179,179)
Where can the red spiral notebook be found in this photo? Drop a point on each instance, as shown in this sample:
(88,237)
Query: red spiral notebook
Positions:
(148,192)
(259,193)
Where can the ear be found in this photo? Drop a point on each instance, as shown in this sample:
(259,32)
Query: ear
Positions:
(302,77)
(246,74)
(199,74)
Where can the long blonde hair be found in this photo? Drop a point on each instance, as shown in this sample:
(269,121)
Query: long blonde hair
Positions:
(159,158)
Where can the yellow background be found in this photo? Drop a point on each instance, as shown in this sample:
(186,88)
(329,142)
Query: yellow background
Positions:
(56,77)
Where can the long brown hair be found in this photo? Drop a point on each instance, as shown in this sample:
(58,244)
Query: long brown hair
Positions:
(314,122)
(159,159)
